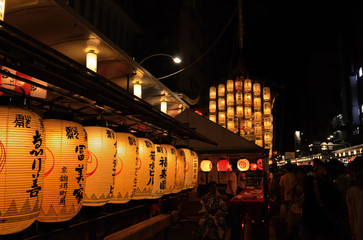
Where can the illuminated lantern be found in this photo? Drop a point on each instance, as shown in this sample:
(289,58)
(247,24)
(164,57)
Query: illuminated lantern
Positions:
(138,89)
(257,116)
(206,165)
(230,112)
(223,165)
(253,166)
(248,113)
(221,118)
(230,125)
(195,168)
(258,131)
(221,104)
(239,98)
(91,60)
(171,168)
(212,106)
(212,93)
(257,103)
(126,168)
(239,111)
(22,146)
(230,86)
(221,90)
(259,164)
(146,169)
(101,165)
(2,9)
(160,172)
(248,85)
(267,123)
(230,99)
(188,168)
(266,94)
(248,99)
(268,137)
(213,118)
(248,124)
(243,165)
(267,108)
(164,105)
(65,170)
(259,142)
(239,84)
(180,171)
(257,89)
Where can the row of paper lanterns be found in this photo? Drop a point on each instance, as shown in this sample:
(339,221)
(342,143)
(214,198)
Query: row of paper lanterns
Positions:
(223,165)
(50,168)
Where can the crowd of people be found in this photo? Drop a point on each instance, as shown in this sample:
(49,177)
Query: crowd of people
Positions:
(322,201)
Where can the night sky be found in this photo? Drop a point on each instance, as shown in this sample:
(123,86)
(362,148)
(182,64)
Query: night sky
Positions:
(293,45)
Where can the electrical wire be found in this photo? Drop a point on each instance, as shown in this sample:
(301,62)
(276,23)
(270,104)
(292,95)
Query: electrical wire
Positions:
(206,52)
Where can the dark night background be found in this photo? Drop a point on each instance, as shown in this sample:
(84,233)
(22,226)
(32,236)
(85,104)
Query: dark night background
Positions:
(294,45)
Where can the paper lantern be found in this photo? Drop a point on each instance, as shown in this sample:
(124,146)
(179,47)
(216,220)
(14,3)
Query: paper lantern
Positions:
(248,124)
(146,170)
(238,84)
(65,170)
(164,105)
(213,118)
(188,182)
(239,111)
(221,117)
(223,165)
(248,112)
(138,89)
(126,168)
(268,137)
(160,172)
(206,165)
(212,93)
(239,98)
(258,130)
(230,112)
(243,164)
(248,85)
(230,99)
(171,168)
(221,104)
(257,103)
(257,116)
(101,165)
(231,125)
(267,108)
(266,94)
(267,123)
(257,89)
(221,90)
(180,171)
(91,60)
(22,145)
(253,166)
(2,9)
(230,86)
(248,99)
(212,106)
(195,168)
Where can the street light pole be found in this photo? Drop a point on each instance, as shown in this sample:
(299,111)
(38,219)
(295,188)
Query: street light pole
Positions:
(175,59)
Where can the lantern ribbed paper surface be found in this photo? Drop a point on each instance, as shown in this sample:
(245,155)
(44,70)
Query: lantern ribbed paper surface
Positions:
(180,171)
(188,183)
(145,173)
(22,145)
(195,169)
(101,165)
(171,168)
(65,170)
(126,168)
(160,172)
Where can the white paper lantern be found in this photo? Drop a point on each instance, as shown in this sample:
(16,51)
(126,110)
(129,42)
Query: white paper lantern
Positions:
(266,94)
(248,99)
(126,168)
(257,89)
(221,104)
(243,165)
(188,182)
(101,165)
(195,168)
(230,85)
(221,90)
(230,112)
(212,106)
(248,112)
(213,118)
(221,117)
(160,172)
(231,125)
(247,85)
(180,171)
(65,170)
(230,99)
(239,98)
(257,103)
(267,108)
(22,146)
(239,111)
(212,92)
(171,168)
(206,165)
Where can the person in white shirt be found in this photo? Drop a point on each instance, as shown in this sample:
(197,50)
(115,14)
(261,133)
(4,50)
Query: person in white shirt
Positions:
(231,189)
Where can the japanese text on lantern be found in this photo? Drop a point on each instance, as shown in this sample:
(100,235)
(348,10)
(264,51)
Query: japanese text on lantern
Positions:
(152,164)
(72,132)
(113,166)
(134,186)
(63,186)
(78,192)
(22,120)
(37,163)
(163,163)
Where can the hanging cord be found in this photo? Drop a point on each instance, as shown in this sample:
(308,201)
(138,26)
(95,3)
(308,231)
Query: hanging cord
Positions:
(206,52)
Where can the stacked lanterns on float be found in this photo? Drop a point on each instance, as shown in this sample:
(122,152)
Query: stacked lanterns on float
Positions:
(244,107)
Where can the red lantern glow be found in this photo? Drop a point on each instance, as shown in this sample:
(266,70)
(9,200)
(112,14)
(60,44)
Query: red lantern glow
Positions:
(223,165)
(253,166)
